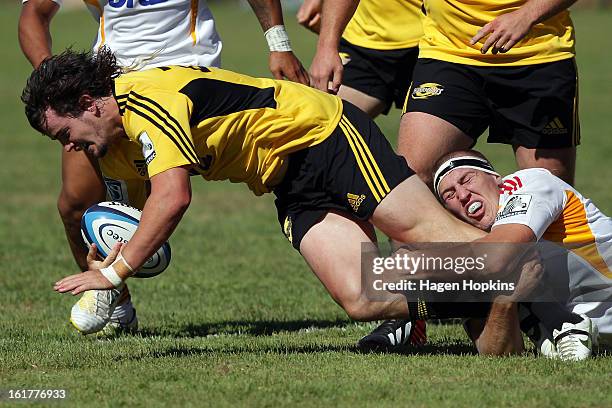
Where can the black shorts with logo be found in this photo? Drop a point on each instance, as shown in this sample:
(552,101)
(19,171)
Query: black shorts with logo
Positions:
(382,74)
(534,106)
(351,171)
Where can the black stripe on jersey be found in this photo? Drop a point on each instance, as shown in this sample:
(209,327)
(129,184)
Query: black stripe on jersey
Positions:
(174,126)
(121,101)
(212,98)
(163,130)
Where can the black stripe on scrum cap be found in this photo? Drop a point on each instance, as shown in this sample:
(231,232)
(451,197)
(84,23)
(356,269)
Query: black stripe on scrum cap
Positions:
(471,162)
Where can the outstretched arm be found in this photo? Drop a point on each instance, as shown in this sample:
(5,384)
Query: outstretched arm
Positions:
(33,29)
(326,65)
(510,28)
(169,199)
(283,63)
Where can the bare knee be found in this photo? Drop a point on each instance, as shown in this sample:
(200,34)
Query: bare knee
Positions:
(359,308)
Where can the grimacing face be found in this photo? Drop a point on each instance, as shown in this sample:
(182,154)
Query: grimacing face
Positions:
(471,195)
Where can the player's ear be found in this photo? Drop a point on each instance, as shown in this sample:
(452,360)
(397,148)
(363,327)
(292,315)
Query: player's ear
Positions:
(87,103)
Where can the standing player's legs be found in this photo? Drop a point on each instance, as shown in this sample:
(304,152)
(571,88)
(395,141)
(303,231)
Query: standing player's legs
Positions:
(444,111)
(425,138)
(82,187)
(374,79)
(560,162)
(369,104)
(535,109)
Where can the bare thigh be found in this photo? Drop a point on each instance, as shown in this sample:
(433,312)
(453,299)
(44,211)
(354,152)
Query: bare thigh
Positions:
(424,139)
(333,250)
(560,162)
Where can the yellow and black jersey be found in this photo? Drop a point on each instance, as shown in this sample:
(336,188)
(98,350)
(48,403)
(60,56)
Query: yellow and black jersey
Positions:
(450,24)
(125,173)
(221,124)
(385,24)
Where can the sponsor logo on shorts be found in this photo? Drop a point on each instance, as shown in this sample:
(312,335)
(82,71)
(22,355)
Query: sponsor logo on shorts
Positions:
(517,205)
(345,58)
(426,90)
(287,229)
(555,127)
(355,200)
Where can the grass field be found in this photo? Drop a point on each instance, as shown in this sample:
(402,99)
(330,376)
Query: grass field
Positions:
(239,319)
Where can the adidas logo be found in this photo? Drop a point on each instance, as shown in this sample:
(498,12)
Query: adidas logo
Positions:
(555,127)
(355,200)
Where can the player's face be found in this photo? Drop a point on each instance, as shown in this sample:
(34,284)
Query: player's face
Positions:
(472,196)
(90,131)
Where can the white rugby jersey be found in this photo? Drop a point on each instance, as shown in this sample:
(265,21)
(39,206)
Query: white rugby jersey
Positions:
(556,212)
(151,33)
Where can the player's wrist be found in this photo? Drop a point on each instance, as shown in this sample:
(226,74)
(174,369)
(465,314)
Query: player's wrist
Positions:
(118,271)
(278,39)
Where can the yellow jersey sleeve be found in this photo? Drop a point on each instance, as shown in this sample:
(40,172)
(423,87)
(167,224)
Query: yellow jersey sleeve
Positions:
(385,24)
(159,123)
(449,25)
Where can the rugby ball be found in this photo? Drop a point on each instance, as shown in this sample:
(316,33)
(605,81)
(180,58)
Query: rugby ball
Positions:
(108,223)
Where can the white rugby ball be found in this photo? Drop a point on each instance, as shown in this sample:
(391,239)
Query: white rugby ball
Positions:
(108,223)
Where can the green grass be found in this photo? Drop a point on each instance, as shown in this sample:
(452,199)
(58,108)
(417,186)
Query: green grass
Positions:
(239,319)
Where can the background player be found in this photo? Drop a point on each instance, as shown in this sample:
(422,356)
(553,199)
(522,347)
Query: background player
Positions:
(507,66)
(366,50)
(179,32)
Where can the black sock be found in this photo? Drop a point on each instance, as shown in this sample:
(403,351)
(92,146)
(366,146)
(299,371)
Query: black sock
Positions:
(552,315)
(447,310)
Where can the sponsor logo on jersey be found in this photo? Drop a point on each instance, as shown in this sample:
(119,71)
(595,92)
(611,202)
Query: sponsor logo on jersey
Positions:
(287,229)
(116,190)
(355,200)
(148,150)
(555,127)
(345,58)
(517,205)
(426,90)
(130,3)
(510,185)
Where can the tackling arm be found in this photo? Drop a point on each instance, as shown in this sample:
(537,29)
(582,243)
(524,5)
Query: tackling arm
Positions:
(326,65)
(33,29)
(283,63)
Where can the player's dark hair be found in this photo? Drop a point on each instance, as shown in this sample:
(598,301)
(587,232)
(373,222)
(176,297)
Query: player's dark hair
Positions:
(60,81)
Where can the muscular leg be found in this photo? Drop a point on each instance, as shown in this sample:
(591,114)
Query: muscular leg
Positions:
(332,249)
(560,162)
(369,104)
(424,138)
(410,213)
(82,186)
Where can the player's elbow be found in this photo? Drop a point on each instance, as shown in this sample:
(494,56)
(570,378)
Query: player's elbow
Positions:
(178,203)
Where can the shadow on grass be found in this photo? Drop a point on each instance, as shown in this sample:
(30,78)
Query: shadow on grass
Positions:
(252,328)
